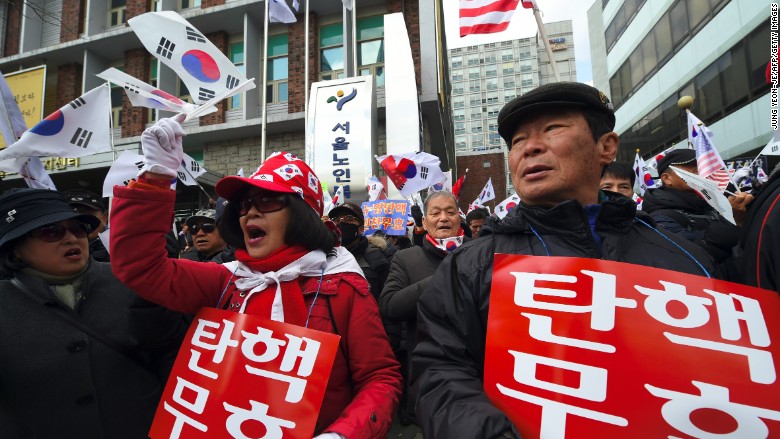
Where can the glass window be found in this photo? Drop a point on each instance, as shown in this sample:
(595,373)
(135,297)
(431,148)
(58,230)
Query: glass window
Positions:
(491,71)
(697,10)
(491,84)
(331,52)
(649,59)
(625,79)
(508,68)
(457,61)
(679,22)
(277,65)
(117,14)
(459,114)
(663,38)
(371,48)
(459,103)
(709,94)
(457,75)
(758,50)
(637,68)
(474,73)
(236,54)
(474,86)
(117,94)
(735,77)
(615,90)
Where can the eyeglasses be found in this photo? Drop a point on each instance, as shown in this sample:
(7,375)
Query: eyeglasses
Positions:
(347,219)
(262,204)
(206,227)
(55,232)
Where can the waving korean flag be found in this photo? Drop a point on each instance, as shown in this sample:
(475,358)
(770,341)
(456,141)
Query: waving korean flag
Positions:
(124,169)
(505,206)
(412,171)
(488,193)
(78,129)
(205,70)
(189,171)
(142,94)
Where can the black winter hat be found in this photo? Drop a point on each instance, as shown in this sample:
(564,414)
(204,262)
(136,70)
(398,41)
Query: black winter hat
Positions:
(347,209)
(24,210)
(676,157)
(556,94)
(82,197)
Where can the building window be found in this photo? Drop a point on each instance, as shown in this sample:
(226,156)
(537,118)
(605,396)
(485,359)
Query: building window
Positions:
(457,61)
(492,98)
(491,71)
(371,48)
(473,60)
(276,87)
(491,84)
(474,86)
(458,115)
(507,55)
(117,94)
(509,82)
(460,128)
(182,92)
(474,73)
(457,75)
(507,68)
(189,4)
(236,54)
(457,89)
(117,15)
(458,103)
(331,52)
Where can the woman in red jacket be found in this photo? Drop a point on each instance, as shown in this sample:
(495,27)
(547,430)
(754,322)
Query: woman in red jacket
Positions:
(287,258)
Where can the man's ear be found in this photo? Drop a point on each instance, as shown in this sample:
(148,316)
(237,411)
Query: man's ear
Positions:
(608,147)
(666,179)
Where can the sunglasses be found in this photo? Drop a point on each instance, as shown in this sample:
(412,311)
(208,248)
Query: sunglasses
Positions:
(347,219)
(263,204)
(206,227)
(55,232)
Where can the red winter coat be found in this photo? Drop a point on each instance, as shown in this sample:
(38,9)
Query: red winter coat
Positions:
(365,382)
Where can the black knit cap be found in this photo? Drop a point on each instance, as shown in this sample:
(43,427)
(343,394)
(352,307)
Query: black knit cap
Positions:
(347,209)
(554,95)
(676,157)
(82,197)
(24,210)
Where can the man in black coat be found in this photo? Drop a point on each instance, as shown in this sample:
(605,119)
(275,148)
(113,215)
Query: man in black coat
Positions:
(760,239)
(560,137)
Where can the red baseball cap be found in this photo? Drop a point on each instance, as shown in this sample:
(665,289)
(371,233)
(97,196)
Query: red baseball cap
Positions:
(281,172)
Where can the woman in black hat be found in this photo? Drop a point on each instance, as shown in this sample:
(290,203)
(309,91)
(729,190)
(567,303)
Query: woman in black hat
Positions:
(68,365)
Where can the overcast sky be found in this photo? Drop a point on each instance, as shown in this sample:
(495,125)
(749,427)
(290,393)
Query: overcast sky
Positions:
(523,25)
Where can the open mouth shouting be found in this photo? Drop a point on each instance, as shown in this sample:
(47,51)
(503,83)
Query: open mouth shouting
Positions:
(73,254)
(255,234)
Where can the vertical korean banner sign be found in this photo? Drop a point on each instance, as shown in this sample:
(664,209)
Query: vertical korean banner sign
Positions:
(608,349)
(28,87)
(389,216)
(240,376)
(341,134)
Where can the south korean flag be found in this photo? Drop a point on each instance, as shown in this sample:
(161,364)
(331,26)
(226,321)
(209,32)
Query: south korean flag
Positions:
(297,190)
(204,69)
(314,183)
(189,171)
(263,177)
(288,172)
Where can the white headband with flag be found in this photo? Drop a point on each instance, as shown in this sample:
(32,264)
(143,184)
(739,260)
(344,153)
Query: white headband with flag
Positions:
(205,70)
(78,129)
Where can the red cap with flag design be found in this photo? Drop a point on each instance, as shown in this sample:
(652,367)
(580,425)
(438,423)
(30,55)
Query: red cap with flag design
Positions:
(281,172)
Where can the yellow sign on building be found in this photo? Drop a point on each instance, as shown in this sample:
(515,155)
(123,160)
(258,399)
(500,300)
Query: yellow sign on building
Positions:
(28,87)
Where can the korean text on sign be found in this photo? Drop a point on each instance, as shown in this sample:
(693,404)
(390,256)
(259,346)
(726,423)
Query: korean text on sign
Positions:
(240,376)
(388,216)
(609,349)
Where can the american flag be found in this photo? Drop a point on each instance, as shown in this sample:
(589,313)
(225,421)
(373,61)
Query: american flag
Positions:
(709,163)
(485,16)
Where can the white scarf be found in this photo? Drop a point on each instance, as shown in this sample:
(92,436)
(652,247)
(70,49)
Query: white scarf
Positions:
(314,263)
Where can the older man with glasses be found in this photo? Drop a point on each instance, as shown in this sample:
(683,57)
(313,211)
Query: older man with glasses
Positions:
(208,245)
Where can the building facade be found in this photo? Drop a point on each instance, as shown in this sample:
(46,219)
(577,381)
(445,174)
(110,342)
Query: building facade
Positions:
(484,78)
(76,40)
(647,54)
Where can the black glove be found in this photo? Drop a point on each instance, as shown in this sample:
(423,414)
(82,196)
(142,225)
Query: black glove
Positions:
(417,215)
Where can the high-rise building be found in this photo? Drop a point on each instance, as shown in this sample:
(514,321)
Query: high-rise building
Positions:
(647,54)
(75,40)
(484,78)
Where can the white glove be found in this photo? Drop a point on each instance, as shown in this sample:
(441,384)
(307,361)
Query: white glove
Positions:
(330,436)
(161,145)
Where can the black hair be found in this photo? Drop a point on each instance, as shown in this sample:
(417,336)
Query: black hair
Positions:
(620,170)
(598,122)
(479,213)
(304,228)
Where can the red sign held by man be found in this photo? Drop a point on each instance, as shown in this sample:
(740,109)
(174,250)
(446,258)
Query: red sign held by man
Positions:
(590,348)
(242,376)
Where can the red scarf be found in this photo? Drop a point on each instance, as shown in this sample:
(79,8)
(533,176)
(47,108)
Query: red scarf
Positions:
(292,295)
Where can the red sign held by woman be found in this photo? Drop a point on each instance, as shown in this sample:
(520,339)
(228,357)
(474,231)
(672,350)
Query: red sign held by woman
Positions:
(242,376)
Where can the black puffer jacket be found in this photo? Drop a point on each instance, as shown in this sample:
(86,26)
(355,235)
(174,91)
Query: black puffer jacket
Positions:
(687,215)
(448,362)
(760,238)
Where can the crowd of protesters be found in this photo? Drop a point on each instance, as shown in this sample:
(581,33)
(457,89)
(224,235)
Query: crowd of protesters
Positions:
(89,338)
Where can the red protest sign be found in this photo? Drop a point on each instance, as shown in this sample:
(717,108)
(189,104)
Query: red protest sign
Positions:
(242,376)
(590,348)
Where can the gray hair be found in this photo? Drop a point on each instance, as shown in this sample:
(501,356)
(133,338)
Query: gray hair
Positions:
(439,194)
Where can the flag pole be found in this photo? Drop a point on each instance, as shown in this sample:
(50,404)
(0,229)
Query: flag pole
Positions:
(547,47)
(306,71)
(263,129)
